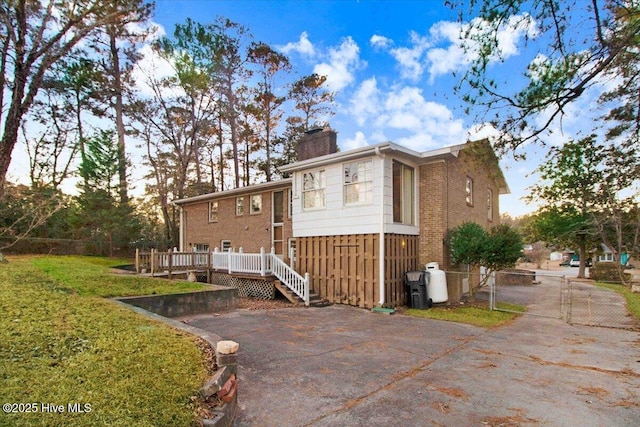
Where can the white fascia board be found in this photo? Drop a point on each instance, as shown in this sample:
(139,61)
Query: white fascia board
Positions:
(250,189)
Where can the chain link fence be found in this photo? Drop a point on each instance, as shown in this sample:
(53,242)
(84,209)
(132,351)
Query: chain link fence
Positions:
(576,301)
(46,246)
(529,292)
(595,305)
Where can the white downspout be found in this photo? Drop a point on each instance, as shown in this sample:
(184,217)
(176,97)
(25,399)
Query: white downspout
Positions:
(381,231)
(182,227)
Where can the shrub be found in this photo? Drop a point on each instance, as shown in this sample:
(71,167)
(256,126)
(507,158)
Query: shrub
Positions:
(607,272)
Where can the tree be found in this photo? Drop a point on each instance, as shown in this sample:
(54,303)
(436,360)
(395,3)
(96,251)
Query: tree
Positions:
(583,188)
(24,210)
(218,50)
(582,44)
(117,45)
(472,245)
(313,103)
(267,107)
(35,35)
(102,215)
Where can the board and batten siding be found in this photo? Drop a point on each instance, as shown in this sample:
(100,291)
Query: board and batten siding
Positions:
(338,218)
(344,269)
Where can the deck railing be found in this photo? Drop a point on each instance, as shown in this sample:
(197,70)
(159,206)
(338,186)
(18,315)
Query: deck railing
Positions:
(263,263)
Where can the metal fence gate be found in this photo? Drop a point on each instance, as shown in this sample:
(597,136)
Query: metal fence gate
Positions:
(598,306)
(545,295)
(575,301)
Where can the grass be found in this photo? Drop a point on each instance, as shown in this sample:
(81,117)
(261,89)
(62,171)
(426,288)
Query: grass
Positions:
(61,343)
(633,299)
(86,276)
(472,315)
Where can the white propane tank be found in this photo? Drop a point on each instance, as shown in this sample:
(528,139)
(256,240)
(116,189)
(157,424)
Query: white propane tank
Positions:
(437,288)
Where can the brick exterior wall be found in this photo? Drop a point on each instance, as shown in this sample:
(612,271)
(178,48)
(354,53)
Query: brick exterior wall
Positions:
(443,204)
(249,231)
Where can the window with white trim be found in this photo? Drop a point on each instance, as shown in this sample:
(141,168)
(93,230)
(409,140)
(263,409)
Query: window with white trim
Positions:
(468,189)
(313,189)
(225,245)
(201,247)
(403,194)
(213,211)
(358,182)
(489,204)
(256,204)
(240,205)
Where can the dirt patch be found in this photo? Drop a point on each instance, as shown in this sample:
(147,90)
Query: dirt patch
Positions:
(453,392)
(442,407)
(260,304)
(516,420)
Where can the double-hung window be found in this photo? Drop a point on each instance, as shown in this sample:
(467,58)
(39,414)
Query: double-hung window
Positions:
(256,203)
(313,189)
(213,211)
(240,205)
(358,182)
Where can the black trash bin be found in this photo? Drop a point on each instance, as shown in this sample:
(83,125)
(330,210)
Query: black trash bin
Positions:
(416,282)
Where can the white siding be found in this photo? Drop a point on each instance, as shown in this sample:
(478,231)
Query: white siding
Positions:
(336,218)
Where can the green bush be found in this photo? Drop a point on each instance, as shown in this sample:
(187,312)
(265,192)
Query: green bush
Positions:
(607,272)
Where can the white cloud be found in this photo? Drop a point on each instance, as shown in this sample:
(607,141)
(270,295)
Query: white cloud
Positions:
(150,67)
(456,54)
(343,60)
(406,115)
(359,140)
(410,58)
(378,41)
(302,46)
(365,101)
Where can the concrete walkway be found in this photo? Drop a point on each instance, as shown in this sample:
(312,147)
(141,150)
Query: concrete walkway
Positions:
(344,366)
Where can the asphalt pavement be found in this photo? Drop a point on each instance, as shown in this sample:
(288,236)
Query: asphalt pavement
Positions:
(345,366)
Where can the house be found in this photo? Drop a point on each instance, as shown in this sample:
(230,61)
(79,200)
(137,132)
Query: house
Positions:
(606,254)
(357,220)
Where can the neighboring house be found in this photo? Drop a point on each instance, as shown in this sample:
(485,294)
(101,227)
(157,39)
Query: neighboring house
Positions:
(357,220)
(606,254)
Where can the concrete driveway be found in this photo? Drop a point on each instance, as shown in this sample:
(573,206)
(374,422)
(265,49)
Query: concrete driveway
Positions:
(344,366)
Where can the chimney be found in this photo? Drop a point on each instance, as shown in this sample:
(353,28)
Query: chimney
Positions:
(317,142)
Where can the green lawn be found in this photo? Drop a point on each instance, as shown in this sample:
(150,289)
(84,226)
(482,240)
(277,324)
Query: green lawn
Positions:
(472,315)
(633,300)
(61,343)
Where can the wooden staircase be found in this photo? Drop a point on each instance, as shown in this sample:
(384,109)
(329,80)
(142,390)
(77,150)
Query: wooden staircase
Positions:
(315,300)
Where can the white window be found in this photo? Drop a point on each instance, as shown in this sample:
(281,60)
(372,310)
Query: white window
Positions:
(358,182)
(213,211)
(313,189)
(201,247)
(256,204)
(290,209)
(489,204)
(403,194)
(240,205)
(225,245)
(469,191)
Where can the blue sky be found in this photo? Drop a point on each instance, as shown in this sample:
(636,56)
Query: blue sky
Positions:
(391,64)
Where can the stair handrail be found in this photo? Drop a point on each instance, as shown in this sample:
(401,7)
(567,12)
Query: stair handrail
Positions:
(298,284)
(263,263)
